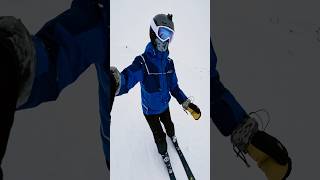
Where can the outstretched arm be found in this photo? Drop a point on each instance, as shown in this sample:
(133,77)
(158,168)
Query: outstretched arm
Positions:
(231,119)
(175,90)
(129,77)
(66,46)
(181,97)
(225,111)
(106,98)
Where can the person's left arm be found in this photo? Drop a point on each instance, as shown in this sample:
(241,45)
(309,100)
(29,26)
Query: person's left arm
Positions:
(177,93)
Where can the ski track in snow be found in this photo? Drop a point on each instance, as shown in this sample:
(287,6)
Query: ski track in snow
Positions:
(133,152)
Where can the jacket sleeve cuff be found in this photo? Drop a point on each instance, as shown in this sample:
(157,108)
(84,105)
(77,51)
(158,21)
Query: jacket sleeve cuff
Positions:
(186,103)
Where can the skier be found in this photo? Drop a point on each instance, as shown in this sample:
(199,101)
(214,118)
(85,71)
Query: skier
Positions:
(156,73)
(35,69)
(232,120)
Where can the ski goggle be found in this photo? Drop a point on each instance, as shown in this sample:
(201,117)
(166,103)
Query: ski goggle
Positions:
(162,32)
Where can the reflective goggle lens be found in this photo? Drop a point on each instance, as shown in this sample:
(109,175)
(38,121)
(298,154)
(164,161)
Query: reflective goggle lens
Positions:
(165,34)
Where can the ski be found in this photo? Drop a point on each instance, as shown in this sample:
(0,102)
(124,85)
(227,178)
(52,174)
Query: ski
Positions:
(183,159)
(167,162)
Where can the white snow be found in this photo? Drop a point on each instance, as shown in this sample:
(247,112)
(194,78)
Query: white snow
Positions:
(268,57)
(133,151)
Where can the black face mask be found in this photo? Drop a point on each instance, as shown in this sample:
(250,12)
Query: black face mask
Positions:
(161,46)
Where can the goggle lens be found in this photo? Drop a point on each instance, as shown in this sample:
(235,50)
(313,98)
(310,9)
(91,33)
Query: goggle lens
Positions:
(165,33)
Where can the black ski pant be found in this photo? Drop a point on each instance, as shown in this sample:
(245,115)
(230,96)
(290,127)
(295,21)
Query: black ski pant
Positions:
(157,131)
(8,93)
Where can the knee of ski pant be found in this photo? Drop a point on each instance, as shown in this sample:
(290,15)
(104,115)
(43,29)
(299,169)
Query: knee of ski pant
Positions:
(159,136)
(170,131)
(160,140)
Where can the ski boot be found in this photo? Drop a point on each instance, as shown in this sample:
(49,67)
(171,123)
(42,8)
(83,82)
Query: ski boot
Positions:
(174,141)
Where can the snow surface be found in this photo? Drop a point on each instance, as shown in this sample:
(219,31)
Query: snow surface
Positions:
(268,56)
(57,140)
(133,151)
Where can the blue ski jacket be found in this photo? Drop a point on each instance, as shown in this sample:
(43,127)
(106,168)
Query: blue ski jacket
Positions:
(225,111)
(157,76)
(65,47)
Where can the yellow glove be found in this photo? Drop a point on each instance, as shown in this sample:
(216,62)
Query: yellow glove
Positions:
(271,169)
(192,109)
(268,152)
(195,112)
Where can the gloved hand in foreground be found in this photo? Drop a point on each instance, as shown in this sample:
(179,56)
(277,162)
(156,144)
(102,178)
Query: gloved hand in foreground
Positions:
(115,75)
(268,152)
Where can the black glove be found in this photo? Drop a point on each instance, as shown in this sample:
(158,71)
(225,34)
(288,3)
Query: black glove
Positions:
(115,80)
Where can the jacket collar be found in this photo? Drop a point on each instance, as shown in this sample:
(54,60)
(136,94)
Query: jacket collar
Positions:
(154,53)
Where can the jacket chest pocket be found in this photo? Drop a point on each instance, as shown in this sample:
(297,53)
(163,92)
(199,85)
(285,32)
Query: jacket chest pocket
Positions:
(152,83)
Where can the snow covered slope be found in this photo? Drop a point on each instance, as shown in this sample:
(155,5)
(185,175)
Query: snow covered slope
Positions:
(133,151)
(57,140)
(268,56)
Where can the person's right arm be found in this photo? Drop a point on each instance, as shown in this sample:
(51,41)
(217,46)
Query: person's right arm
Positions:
(130,76)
